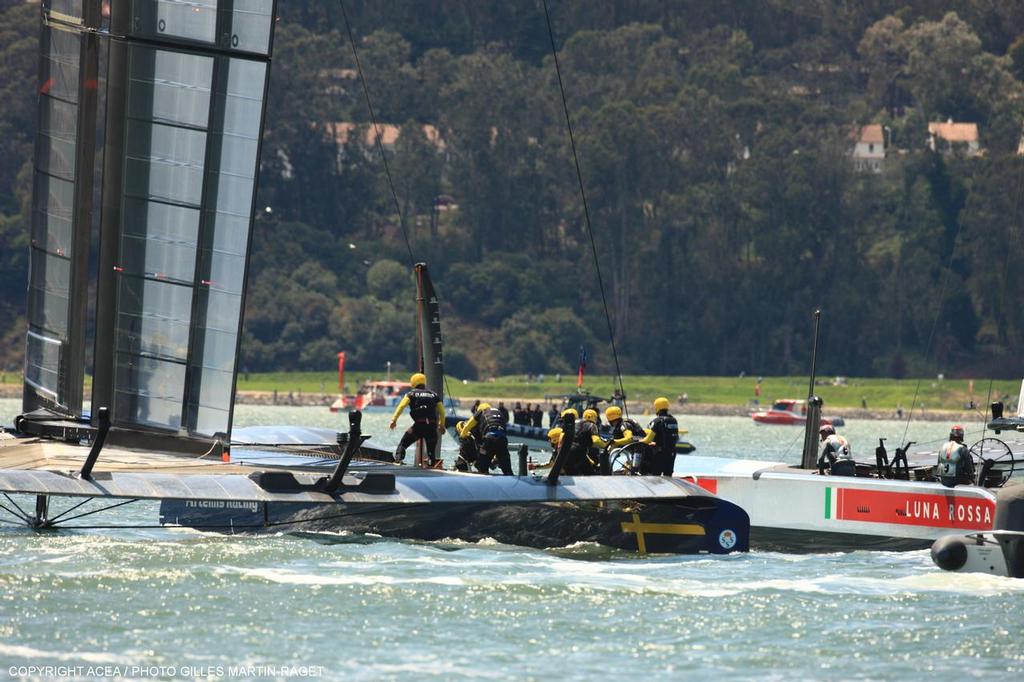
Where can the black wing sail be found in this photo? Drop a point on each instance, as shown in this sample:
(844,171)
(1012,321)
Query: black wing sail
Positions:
(428,313)
(62,207)
(186,92)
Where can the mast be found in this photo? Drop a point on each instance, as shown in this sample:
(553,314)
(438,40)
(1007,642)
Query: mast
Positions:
(428,332)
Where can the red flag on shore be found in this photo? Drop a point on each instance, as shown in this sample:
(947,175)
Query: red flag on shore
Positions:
(582,367)
(341,372)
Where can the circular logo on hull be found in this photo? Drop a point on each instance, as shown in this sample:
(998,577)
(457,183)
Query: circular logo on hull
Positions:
(727,539)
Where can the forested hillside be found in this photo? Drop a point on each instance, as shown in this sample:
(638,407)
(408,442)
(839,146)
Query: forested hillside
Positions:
(716,143)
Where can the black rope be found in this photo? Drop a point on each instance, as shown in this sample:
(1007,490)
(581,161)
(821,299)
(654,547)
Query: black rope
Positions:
(1002,292)
(383,156)
(377,133)
(935,321)
(71,509)
(586,208)
(102,509)
(12,512)
(16,506)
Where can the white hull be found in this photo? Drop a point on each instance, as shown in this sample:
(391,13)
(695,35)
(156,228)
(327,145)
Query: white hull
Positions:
(793,509)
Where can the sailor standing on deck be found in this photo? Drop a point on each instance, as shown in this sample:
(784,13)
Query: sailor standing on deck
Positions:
(488,425)
(666,435)
(835,453)
(955,463)
(427,412)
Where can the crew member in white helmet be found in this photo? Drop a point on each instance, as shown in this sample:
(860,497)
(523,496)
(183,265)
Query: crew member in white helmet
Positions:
(836,454)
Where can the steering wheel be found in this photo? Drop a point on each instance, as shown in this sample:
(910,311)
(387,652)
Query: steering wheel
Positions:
(996,456)
(620,460)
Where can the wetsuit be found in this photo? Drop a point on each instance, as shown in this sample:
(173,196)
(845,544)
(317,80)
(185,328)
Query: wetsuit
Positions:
(837,455)
(955,464)
(666,435)
(626,431)
(427,414)
(584,438)
(488,427)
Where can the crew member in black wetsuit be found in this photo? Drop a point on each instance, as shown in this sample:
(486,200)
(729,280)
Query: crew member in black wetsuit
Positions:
(427,412)
(666,435)
(835,453)
(582,459)
(488,427)
(626,431)
(955,464)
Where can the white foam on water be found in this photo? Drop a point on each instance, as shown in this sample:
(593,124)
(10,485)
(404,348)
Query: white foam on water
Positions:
(33,654)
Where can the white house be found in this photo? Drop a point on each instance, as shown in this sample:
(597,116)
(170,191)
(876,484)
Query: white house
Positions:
(869,148)
(944,136)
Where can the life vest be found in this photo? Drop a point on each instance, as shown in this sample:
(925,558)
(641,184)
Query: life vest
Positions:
(666,432)
(423,404)
(838,447)
(624,425)
(584,433)
(491,422)
(951,459)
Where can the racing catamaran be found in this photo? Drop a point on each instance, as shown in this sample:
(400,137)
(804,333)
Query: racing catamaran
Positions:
(896,504)
(186,89)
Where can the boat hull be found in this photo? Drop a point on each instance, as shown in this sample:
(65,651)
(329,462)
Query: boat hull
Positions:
(794,510)
(685,526)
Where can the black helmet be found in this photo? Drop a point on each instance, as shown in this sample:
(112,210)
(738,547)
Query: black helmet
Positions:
(957,433)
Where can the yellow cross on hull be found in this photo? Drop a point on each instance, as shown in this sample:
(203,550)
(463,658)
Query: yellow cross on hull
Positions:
(639,527)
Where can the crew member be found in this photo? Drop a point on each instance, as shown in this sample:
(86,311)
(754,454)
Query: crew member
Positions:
(467,447)
(582,459)
(488,426)
(666,435)
(626,431)
(835,453)
(955,463)
(427,412)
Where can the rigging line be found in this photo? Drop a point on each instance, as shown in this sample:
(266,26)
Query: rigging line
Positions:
(1002,292)
(377,133)
(10,511)
(68,511)
(383,156)
(16,506)
(586,209)
(97,511)
(935,320)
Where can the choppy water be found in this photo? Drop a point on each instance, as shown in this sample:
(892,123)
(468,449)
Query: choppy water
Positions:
(162,602)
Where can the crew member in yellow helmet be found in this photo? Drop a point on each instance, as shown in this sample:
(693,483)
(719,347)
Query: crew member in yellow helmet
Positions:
(487,425)
(582,459)
(666,435)
(427,412)
(626,431)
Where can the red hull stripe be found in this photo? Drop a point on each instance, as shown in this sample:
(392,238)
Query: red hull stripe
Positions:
(945,510)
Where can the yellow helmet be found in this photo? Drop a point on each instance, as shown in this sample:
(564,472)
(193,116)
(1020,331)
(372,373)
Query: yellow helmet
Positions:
(571,411)
(418,380)
(555,436)
(613,412)
(660,404)
(483,406)
(590,416)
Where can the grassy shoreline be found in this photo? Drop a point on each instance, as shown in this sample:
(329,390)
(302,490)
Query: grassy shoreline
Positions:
(877,394)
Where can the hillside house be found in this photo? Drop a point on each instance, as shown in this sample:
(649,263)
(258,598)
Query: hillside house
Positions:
(869,148)
(948,136)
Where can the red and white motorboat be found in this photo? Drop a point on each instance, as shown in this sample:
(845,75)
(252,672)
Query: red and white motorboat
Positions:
(373,396)
(790,412)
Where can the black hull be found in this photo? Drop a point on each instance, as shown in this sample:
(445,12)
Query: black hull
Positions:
(683,526)
(813,542)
